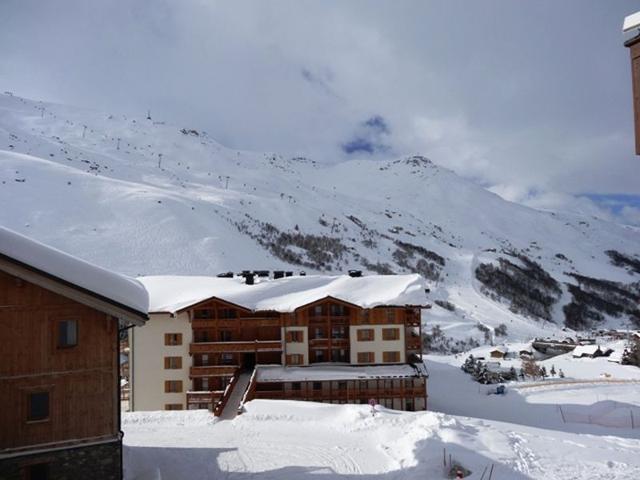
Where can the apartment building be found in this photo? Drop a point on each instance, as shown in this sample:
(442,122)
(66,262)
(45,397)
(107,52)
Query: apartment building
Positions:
(299,337)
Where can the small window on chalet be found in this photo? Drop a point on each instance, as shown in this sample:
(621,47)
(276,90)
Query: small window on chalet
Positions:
(338,331)
(338,310)
(317,385)
(366,335)
(391,315)
(38,471)
(365,357)
(316,311)
(226,359)
(202,313)
(173,406)
(225,335)
(342,385)
(391,334)
(173,386)
(296,386)
(38,407)
(227,313)
(172,363)
(295,336)
(67,333)
(294,359)
(390,357)
(173,339)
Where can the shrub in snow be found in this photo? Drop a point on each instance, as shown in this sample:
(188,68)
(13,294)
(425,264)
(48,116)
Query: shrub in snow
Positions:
(501,330)
(446,305)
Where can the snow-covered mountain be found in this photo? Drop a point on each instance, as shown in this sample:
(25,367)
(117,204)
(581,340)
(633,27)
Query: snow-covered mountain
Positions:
(146,197)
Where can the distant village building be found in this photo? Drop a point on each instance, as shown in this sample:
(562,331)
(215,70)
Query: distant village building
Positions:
(498,352)
(59,376)
(591,351)
(213,342)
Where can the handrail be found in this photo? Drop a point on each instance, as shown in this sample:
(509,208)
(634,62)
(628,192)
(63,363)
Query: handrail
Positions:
(251,387)
(219,407)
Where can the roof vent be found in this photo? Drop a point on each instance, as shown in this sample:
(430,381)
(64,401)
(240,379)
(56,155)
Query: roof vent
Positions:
(303,273)
(225,275)
(288,274)
(249,278)
(278,274)
(355,273)
(261,273)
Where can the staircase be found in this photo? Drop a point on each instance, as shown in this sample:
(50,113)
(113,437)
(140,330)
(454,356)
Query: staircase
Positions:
(230,409)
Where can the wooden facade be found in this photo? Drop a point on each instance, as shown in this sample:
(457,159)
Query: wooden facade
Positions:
(634,50)
(59,379)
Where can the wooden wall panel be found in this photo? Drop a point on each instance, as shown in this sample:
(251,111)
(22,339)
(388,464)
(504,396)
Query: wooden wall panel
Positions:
(83,380)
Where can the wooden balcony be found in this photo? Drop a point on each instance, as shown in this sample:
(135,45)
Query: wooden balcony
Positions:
(231,347)
(414,344)
(213,371)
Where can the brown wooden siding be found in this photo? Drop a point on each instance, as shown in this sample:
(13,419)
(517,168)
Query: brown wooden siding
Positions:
(82,380)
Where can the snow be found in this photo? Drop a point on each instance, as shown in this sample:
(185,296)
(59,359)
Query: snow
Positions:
(118,288)
(581,350)
(173,293)
(631,21)
(277,373)
(72,188)
(288,440)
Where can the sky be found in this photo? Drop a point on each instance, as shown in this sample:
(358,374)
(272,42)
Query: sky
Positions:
(531,99)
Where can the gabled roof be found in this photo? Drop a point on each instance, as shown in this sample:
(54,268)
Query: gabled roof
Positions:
(171,294)
(116,294)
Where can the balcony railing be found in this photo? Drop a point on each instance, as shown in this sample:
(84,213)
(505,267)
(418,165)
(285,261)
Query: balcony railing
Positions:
(241,346)
(213,370)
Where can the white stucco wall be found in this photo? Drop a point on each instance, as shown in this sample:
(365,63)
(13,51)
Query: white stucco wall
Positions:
(292,348)
(378,345)
(147,355)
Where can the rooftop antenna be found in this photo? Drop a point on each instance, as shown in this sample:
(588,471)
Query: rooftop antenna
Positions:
(226,186)
(159,160)
(118,147)
(84,130)
(148,114)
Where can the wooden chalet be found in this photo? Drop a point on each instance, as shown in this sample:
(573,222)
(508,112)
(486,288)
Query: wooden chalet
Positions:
(59,376)
(229,341)
(631,27)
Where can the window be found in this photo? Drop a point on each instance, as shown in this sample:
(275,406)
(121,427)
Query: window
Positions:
(225,335)
(295,336)
(317,385)
(67,333)
(173,339)
(227,313)
(296,386)
(319,355)
(390,357)
(338,332)
(173,386)
(202,313)
(338,355)
(366,335)
(294,359)
(319,333)
(342,385)
(201,336)
(38,407)
(226,359)
(391,316)
(204,359)
(338,310)
(366,357)
(173,406)
(38,471)
(204,384)
(172,363)
(316,311)
(391,334)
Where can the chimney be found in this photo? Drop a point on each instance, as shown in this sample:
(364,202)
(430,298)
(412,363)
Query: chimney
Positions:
(225,275)
(248,278)
(303,273)
(278,274)
(288,274)
(355,273)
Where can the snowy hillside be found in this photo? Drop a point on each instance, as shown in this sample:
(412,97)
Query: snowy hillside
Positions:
(146,197)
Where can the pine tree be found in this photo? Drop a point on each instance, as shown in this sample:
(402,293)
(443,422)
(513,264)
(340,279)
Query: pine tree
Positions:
(543,372)
(553,370)
(561,373)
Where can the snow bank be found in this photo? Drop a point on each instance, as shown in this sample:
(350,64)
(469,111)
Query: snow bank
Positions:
(173,293)
(118,288)
(277,373)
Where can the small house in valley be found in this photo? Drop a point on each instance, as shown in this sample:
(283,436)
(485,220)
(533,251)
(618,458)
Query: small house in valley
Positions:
(59,364)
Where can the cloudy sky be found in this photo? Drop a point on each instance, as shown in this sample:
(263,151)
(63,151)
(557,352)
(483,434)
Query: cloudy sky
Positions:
(529,98)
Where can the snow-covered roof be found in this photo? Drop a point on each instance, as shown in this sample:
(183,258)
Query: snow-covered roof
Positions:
(631,21)
(119,289)
(278,373)
(175,293)
(585,350)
